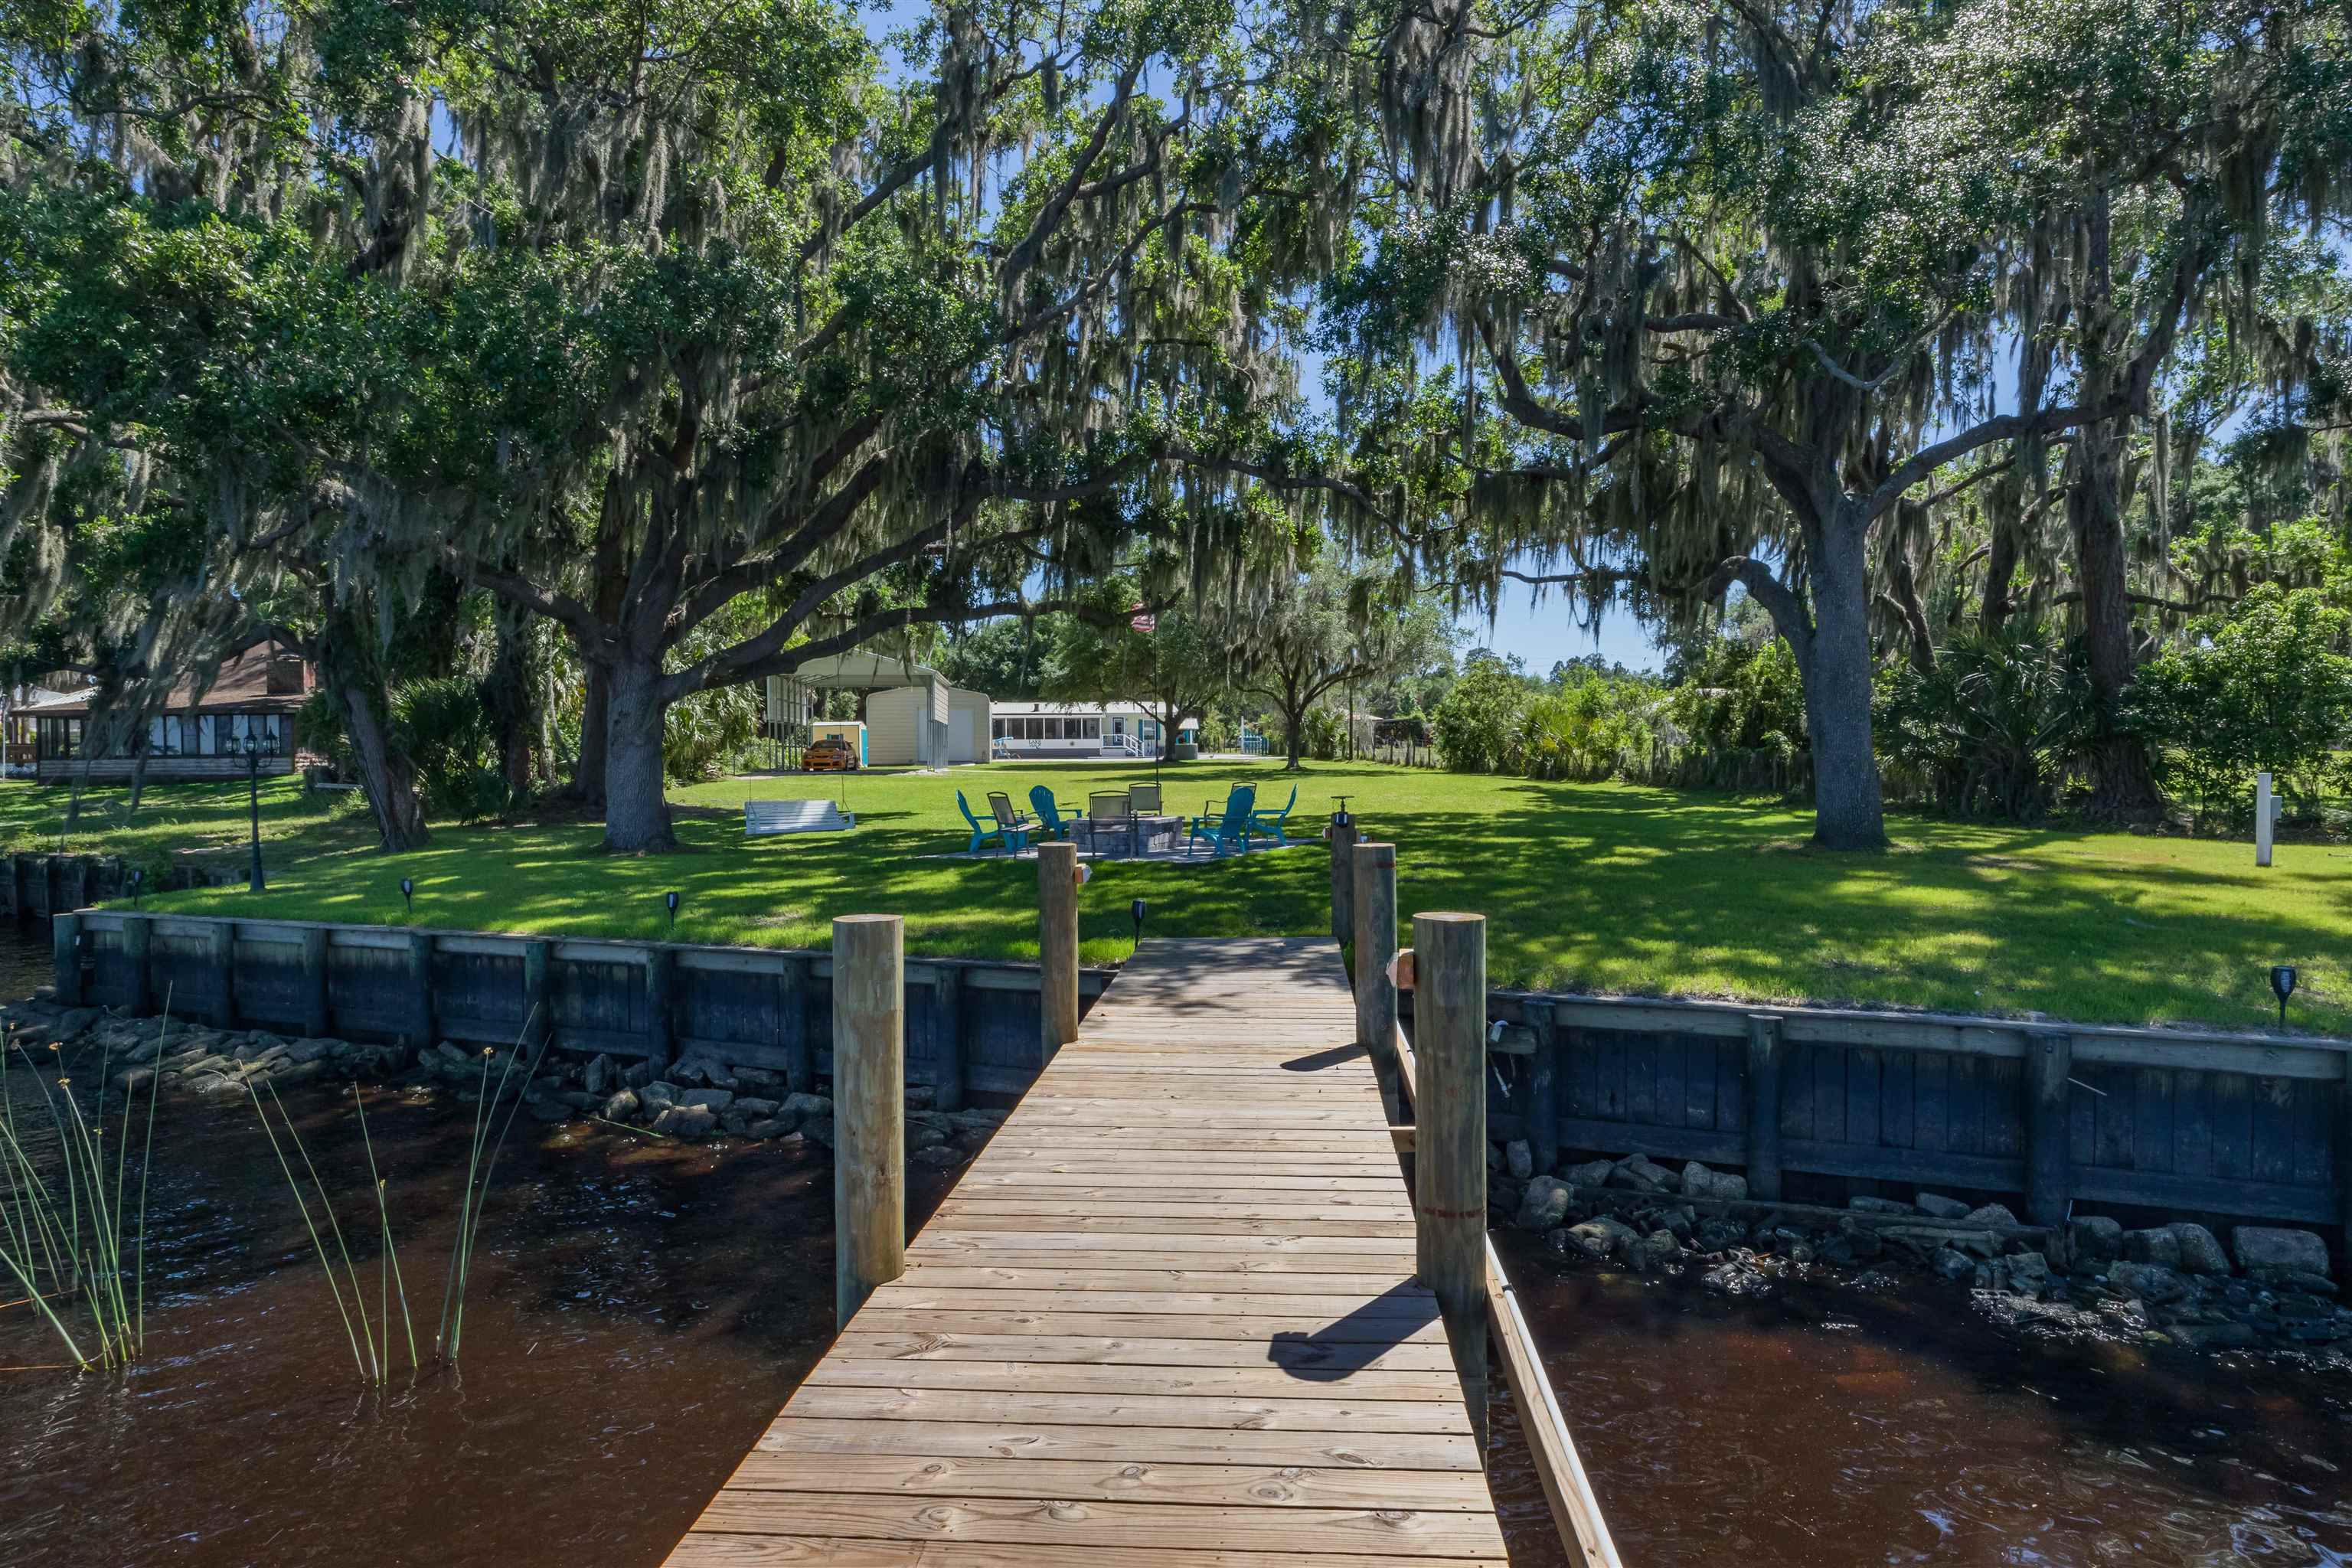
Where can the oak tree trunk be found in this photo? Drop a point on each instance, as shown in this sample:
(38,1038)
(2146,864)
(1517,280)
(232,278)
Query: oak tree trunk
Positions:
(587,783)
(385,772)
(2123,784)
(508,694)
(636,808)
(1849,810)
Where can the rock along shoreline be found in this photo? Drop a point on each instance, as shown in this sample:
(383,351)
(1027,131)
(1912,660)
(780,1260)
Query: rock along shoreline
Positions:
(2268,1287)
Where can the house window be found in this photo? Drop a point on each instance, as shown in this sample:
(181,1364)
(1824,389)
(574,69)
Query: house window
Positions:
(1090,729)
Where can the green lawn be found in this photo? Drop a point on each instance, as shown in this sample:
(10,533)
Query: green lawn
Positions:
(1595,887)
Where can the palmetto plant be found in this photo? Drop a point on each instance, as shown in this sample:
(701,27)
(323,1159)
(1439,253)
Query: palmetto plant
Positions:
(1992,726)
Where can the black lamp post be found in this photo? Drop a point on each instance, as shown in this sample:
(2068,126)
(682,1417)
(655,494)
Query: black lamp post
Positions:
(1340,818)
(255,883)
(2283,979)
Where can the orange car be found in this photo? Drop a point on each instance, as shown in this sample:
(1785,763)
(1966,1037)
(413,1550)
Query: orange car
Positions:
(830,755)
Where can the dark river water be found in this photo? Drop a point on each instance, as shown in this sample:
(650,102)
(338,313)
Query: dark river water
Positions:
(639,1312)
(1831,1425)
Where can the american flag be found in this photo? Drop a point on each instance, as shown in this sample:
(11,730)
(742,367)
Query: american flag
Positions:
(1143,623)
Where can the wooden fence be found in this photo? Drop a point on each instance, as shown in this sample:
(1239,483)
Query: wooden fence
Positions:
(2252,1125)
(970,1026)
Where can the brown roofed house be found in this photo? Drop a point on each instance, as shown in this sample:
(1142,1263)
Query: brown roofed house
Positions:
(254,696)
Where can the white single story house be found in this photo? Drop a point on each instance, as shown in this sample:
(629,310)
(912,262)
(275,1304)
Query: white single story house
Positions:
(1076,729)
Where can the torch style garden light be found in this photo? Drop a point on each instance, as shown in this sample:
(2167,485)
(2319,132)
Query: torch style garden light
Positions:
(1139,908)
(670,901)
(408,899)
(2283,979)
(255,882)
(138,875)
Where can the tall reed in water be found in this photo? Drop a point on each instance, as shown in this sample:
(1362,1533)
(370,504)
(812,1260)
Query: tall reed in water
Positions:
(68,1241)
(371,1339)
(478,1172)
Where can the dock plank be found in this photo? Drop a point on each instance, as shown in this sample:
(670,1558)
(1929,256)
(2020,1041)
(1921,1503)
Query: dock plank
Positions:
(1168,1317)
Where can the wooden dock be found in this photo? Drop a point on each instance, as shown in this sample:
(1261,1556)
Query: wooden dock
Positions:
(1169,1316)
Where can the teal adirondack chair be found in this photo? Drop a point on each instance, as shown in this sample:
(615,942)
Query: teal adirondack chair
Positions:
(1272,821)
(1049,812)
(1013,838)
(1230,830)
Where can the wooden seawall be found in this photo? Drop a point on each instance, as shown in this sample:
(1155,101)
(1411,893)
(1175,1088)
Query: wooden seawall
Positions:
(1168,1317)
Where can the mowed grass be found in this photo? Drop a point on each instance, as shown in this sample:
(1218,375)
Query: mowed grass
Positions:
(1587,887)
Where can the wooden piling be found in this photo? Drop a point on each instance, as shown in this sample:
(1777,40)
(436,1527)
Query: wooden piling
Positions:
(869,1115)
(315,1015)
(2343,1158)
(1374,907)
(1374,873)
(537,998)
(420,977)
(2049,1173)
(1449,1041)
(65,952)
(137,948)
(1765,1053)
(1343,880)
(222,937)
(948,1072)
(795,993)
(1057,944)
(1543,1088)
(661,1004)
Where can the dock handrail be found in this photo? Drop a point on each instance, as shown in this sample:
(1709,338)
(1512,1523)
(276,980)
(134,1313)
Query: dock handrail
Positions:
(1575,1510)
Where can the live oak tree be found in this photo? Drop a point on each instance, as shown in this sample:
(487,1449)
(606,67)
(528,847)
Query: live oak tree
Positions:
(2167,145)
(888,357)
(1736,277)
(630,314)
(1326,626)
(1174,665)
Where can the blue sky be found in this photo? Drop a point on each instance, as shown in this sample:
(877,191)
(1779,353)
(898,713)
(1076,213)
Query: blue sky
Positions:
(1544,634)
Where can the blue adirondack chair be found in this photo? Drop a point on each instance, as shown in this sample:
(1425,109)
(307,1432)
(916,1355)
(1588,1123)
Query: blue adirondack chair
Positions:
(1272,821)
(1232,829)
(1049,812)
(1012,838)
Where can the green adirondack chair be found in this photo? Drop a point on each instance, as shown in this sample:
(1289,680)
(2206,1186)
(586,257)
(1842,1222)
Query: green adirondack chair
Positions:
(1272,821)
(1231,830)
(1013,838)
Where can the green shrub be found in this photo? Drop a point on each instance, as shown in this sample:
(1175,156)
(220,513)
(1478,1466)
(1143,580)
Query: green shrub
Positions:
(1741,697)
(2263,688)
(1479,718)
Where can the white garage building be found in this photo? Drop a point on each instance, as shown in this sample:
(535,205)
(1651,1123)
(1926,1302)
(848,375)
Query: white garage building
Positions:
(913,717)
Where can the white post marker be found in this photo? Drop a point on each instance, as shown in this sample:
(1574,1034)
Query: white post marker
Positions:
(2263,819)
